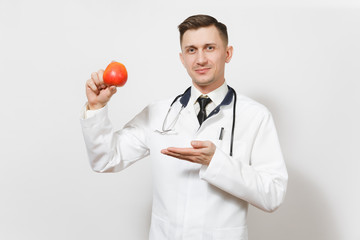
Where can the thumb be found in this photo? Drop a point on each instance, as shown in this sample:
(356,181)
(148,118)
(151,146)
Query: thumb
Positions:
(111,91)
(198,144)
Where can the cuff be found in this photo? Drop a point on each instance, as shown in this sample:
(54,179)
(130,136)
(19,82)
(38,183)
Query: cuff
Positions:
(215,166)
(89,118)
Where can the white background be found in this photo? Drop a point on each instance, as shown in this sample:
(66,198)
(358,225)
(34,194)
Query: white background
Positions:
(299,58)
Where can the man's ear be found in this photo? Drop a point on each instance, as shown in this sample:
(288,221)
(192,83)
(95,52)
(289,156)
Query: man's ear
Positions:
(229,53)
(182,59)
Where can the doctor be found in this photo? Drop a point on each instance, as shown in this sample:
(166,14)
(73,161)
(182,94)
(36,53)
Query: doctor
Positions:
(213,151)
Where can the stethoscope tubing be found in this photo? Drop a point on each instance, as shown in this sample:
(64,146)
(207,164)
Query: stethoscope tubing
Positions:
(182,107)
(233,124)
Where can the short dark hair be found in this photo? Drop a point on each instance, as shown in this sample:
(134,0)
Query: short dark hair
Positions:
(199,21)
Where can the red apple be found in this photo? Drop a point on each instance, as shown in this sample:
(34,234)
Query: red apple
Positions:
(115,74)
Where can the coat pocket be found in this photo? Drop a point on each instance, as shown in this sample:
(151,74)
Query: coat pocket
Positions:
(236,233)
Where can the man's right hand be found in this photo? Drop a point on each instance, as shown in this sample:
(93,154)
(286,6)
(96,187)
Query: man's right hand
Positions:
(97,92)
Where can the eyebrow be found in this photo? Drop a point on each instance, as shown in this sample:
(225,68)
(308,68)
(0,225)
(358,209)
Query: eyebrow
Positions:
(205,45)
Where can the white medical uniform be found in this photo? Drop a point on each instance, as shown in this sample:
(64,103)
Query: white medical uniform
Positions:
(193,201)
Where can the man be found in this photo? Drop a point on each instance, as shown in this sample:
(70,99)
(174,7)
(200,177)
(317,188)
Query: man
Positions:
(213,151)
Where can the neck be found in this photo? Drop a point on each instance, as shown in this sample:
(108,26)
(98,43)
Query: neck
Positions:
(205,89)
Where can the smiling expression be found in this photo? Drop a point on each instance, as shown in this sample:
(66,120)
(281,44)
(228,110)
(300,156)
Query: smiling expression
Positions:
(204,54)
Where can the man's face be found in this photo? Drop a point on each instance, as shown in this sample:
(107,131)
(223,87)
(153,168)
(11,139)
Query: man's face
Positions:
(204,54)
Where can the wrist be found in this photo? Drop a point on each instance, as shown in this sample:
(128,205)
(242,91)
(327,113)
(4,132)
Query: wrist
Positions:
(94,106)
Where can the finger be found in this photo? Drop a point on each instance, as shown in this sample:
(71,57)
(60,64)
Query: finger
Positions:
(95,78)
(200,144)
(197,144)
(112,90)
(191,158)
(100,74)
(184,151)
(92,86)
(108,92)
(177,155)
(164,151)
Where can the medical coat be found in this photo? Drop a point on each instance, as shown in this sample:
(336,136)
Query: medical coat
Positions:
(192,201)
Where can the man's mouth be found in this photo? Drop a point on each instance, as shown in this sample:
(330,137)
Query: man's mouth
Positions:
(202,70)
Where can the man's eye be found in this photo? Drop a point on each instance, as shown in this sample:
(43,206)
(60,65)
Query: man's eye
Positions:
(210,48)
(191,50)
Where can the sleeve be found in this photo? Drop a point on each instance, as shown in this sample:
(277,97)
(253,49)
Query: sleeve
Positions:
(260,180)
(113,151)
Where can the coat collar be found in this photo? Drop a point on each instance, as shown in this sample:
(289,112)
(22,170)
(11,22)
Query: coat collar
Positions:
(184,100)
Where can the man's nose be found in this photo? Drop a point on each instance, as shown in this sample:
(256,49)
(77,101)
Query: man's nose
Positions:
(201,58)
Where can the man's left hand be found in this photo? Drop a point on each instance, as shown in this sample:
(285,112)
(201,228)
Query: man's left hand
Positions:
(202,152)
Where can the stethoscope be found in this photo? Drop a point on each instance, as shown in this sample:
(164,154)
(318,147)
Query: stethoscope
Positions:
(170,127)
